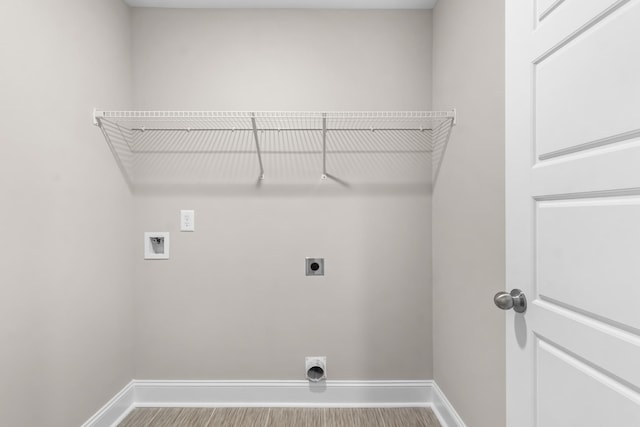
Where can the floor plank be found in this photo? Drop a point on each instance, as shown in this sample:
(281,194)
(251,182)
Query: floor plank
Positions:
(166,417)
(239,417)
(281,417)
(298,417)
(194,417)
(316,417)
(139,417)
(409,417)
(353,417)
(428,416)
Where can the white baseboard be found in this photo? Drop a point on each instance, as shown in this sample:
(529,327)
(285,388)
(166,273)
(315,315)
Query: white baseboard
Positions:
(115,410)
(444,410)
(283,393)
(148,393)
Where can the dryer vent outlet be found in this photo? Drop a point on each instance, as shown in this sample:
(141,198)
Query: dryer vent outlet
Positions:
(316,368)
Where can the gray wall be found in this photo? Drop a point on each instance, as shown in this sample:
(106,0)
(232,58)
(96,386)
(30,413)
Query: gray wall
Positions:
(65,261)
(227,304)
(233,301)
(288,60)
(468,210)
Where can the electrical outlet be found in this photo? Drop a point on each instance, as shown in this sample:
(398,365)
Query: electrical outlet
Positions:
(314,266)
(187,220)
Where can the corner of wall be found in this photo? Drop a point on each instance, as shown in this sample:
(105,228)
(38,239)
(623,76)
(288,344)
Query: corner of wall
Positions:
(468,224)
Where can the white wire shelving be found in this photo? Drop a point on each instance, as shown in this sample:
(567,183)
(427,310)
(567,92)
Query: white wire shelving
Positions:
(180,146)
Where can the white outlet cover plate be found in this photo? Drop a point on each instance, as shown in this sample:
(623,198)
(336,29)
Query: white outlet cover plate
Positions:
(187,220)
(149,252)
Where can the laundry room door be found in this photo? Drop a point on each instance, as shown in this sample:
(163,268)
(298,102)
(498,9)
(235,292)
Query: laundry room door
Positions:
(573,212)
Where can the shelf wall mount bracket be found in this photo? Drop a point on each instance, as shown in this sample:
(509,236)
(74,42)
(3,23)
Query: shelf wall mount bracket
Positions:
(324,146)
(96,116)
(257,141)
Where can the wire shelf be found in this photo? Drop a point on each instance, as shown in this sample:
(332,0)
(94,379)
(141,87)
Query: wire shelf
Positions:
(201,147)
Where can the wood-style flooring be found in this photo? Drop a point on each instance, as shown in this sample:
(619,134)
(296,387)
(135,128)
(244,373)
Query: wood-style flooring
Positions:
(280,417)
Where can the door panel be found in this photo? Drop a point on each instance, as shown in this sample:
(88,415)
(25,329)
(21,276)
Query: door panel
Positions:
(573,212)
(586,249)
(566,19)
(610,346)
(613,166)
(579,85)
(545,7)
(562,377)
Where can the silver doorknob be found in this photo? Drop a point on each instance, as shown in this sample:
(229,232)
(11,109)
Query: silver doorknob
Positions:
(515,300)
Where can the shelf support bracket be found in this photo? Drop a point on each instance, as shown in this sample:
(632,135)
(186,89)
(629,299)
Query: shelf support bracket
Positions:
(324,145)
(96,115)
(255,137)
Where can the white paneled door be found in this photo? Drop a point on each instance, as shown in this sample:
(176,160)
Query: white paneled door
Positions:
(573,212)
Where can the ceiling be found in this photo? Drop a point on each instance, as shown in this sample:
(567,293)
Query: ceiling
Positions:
(285,4)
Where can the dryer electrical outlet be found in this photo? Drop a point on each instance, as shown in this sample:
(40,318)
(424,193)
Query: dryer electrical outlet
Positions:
(314,266)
